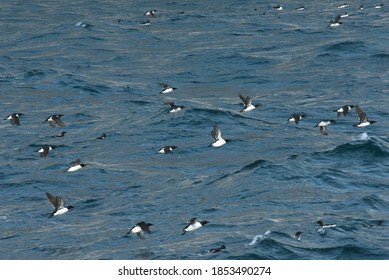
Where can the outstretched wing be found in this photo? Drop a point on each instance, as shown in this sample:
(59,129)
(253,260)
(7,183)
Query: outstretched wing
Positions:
(216,133)
(362,116)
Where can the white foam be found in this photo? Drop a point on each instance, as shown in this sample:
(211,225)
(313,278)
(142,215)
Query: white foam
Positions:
(259,237)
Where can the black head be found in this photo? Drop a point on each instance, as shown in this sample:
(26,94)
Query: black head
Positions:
(320,222)
(70,207)
(204,222)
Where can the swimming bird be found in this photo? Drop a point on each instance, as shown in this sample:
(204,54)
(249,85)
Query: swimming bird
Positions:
(342,6)
(14,118)
(167,88)
(344,110)
(140,229)
(247,102)
(336,21)
(145,23)
(58,204)
(217,250)
(151,13)
(75,165)
(297,235)
(301,8)
(167,150)
(323,225)
(193,224)
(217,136)
(363,120)
(102,136)
(361,7)
(296,118)
(379,6)
(322,124)
(61,134)
(344,15)
(174,108)
(277,7)
(44,151)
(55,120)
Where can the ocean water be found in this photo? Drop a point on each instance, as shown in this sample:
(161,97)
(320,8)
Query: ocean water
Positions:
(94,63)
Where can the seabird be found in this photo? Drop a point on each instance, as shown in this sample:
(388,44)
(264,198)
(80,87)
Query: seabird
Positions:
(44,151)
(55,120)
(278,7)
(145,23)
(58,204)
(336,21)
(342,6)
(297,235)
(102,136)
(217,250)
(296,118)
(166,150)
(174,108)
(167,88)
(344,110)
(61,134)
(323,225)
(322,124)
(75,165)
(140,229)
(151,13)
(379,6)
(14,118)
(217,136)
(247,102)
(193,224)
(363,120)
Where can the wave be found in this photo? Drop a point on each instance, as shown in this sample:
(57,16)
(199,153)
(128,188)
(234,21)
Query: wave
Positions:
(347,46)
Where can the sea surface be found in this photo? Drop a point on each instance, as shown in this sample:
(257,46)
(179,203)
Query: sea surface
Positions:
(94,62)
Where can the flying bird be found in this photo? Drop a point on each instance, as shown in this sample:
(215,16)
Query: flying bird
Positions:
(14,118)
(363,120)
(344,110)
(217,136)
(247,102)
(44,151)
(140,229)
(55,120)
(323,126)
(193,224)
(58,204)
(296,118)
(167,88)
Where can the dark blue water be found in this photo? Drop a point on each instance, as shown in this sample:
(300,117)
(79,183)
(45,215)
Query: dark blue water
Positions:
(94,63)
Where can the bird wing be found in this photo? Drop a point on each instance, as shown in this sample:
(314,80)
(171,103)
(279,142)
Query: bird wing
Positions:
(15,120)
(59,122)
(140,235)
(56,201)
(75,162)
(216,134)
(362,115)
(345,110)
(164,85)
(144,227)
(323,130)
